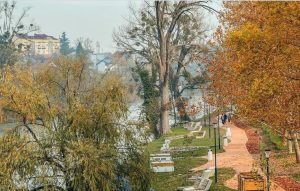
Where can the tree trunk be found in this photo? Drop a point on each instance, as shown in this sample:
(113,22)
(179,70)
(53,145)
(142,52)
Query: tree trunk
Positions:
(290,146)
(289,142)
(284,139)
(164,108)
(204,114)
(174,82)
(296,146)
(163,79)
(174,110)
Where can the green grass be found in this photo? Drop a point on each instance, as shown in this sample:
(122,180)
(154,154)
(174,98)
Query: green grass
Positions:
(274,138)
(197,153)
(223,175)
(270,139)
(206,141)
(297,176)
(184,161)
(177,131)
(154,146)
(170,181)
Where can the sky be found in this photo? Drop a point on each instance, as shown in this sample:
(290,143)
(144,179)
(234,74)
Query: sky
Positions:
(93,19)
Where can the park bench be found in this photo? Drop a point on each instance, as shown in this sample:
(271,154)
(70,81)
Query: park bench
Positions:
(202,183)
(192,126)
(205,174)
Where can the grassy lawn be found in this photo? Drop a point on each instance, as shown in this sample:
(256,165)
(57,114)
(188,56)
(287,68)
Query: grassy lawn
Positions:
(184,161)
(177,131)
(297,176)
(206,141)
(154,146)
(172,180)
(272,138)
(223,175)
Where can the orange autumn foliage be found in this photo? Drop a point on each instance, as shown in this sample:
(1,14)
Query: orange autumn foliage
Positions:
(257,66)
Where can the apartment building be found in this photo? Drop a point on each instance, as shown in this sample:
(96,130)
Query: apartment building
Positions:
(38,44)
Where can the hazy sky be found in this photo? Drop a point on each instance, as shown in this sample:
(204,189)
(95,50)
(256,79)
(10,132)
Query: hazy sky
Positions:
(94,19)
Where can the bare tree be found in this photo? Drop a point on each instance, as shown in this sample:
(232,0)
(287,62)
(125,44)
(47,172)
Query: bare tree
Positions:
(151,35)
(10,26)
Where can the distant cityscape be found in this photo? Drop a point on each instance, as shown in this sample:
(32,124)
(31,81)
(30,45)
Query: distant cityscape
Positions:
(46,46)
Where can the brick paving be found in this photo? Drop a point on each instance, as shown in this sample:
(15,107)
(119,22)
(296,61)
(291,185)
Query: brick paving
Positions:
(236,156)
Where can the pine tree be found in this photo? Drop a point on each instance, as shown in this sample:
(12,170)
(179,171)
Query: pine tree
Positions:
(79,49)
(64,44)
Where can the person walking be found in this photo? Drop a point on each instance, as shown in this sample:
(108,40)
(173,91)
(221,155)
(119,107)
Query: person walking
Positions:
(224,118)
(229,117)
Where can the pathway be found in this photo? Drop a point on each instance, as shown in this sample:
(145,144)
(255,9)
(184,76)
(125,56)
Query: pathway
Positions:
(235,156)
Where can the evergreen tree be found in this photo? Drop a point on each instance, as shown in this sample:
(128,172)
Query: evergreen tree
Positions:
(64,44)
(80,50)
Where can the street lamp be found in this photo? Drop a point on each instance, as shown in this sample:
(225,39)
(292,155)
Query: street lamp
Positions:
(178,108)
(267,156)
(209,132)
(216,171)
(219,130)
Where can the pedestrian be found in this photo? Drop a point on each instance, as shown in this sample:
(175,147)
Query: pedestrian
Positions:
(229,117)
(225,118)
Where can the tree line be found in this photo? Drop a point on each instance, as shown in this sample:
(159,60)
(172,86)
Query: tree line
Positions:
(256,66)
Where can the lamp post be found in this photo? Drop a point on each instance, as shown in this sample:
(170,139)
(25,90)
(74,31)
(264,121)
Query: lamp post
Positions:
(209,132)
(267,155)
(216,170)
(204,113)
(219,130)
(178,95)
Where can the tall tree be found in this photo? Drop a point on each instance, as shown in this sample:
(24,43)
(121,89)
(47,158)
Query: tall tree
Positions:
(80,50)
(150,36)
(187,70)
(70,133)
(259,60)
(150,95)
(64,44)
(10,26)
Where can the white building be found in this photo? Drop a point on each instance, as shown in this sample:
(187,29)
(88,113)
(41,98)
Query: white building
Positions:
(38,44)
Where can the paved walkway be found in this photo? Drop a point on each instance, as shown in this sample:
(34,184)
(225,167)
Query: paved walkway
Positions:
(235,156)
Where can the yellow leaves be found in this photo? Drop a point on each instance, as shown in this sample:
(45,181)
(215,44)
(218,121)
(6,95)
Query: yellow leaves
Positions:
(97,165)
(20,92)
(76,116)
(246,33)
(261,58)
(264,88)
(15,156)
